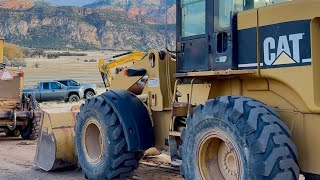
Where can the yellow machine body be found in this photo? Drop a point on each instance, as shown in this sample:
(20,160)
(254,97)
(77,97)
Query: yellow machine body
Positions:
(11,97)
(293,91)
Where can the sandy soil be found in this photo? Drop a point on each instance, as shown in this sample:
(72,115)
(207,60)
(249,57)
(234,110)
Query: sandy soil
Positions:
(16,157)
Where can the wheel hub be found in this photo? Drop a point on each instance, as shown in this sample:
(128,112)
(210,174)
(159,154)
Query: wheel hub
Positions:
(218,157)
(90,94)
(227,161)
(92,141)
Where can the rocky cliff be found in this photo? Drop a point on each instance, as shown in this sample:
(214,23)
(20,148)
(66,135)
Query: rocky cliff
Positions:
(154,9)
(16,4)
(81,28)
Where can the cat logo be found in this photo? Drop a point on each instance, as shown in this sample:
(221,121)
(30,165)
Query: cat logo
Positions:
(286,50)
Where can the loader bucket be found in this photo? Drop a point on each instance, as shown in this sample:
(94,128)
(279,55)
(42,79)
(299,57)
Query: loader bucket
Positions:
(56,148)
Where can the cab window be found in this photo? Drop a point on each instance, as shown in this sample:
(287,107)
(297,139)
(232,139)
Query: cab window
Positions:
(64,83)
(226,7)
(193,17)
(73,83)
(252,4)
(45,86)
(55,86)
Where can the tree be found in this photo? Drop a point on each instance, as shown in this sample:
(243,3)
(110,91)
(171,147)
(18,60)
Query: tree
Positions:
(12,51)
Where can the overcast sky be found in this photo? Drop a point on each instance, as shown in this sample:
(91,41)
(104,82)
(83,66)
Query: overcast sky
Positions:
(70,2)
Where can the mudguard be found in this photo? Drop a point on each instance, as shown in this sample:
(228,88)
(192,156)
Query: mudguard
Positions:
(134,118)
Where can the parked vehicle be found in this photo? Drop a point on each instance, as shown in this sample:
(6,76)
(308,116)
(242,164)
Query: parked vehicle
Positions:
(89,90)
(53,91)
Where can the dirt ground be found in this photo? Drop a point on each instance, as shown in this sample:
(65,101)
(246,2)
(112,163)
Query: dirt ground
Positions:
(16,163)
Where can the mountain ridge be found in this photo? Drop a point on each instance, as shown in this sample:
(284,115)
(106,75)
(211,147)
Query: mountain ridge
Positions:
(79,28)
(155,9)
(38,24)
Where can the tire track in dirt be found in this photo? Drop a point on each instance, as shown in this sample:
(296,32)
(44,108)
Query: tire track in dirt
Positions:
(16,163)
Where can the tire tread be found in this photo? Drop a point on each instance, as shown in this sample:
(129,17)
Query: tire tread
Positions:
(273,154)
(121,162)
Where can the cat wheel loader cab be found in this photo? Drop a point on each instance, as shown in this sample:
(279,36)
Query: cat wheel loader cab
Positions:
(239,100)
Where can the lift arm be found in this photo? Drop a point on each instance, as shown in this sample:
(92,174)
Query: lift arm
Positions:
(105,67)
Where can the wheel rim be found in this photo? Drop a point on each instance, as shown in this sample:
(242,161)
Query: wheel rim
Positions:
(218,157)
(89,95)
(74,99)
(92,140)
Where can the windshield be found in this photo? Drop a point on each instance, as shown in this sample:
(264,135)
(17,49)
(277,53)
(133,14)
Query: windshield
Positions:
(193,20)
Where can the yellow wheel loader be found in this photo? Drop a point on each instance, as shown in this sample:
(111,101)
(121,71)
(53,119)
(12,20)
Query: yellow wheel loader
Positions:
(20,114)
(239,99)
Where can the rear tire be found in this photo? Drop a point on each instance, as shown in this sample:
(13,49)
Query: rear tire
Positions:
(14,133)
(73,98)
(31,131)
(100,143)
(254,133)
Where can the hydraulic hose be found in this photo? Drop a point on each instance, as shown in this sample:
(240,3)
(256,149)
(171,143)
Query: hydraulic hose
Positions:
(13,127)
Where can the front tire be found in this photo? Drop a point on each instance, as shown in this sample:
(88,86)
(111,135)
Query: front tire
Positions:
(73,98)
(89,94)
(237,138)
(100,143)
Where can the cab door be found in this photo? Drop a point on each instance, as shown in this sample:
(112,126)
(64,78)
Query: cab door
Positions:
(45,91)
(224,41)
(193,40)
(57,91)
